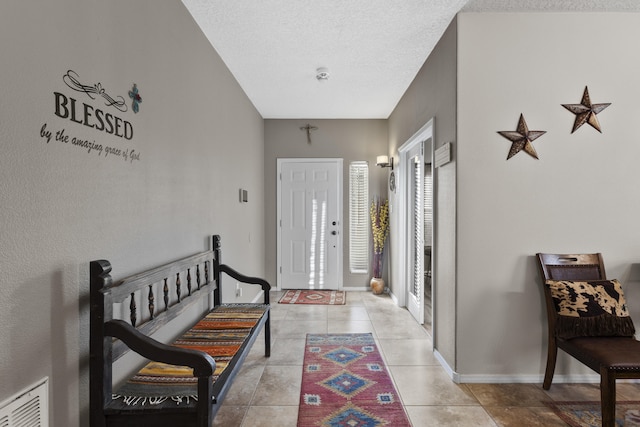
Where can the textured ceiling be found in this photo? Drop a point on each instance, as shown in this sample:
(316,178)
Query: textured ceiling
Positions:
(372,48)
(552,6)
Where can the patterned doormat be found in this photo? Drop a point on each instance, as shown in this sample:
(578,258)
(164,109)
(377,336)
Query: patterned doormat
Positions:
(345,383)
(300,296)
(588,414)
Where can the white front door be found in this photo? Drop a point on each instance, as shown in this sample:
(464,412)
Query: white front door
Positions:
(310,223)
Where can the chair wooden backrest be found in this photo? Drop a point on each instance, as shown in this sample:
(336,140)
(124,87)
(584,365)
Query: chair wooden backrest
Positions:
(567,267)
(572,266)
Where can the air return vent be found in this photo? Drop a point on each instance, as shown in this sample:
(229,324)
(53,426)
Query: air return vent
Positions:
(28,408)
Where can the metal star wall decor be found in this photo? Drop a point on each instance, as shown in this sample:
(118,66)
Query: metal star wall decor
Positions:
(521,139)
(586,112)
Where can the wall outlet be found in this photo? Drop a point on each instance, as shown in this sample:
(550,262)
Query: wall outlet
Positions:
(238,290)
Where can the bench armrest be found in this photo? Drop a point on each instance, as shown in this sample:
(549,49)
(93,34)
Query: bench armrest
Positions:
(266,287)
(203,365)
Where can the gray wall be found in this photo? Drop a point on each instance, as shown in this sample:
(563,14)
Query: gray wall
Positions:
(350,140)
(199,139)
(433,95)
(493,215)
(580,196)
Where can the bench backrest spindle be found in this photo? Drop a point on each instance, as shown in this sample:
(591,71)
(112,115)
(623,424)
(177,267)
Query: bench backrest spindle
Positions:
(132,310)
(151,299)
(178,284)
(165,291)
(189,281)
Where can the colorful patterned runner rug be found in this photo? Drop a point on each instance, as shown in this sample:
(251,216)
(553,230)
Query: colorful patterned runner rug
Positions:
(588,414)
(346,384)
(300,296)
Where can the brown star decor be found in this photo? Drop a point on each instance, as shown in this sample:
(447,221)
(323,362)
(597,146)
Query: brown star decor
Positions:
(586,112)
(521,139)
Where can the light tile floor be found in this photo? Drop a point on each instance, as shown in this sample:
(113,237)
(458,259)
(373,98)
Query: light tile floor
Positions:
(267,390)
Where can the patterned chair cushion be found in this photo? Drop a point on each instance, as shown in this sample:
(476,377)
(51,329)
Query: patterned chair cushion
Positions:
(590,308)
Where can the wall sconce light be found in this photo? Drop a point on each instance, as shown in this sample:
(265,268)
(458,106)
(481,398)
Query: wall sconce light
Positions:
(384,162)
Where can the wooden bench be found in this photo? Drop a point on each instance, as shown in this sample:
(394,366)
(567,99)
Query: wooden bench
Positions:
(191,392)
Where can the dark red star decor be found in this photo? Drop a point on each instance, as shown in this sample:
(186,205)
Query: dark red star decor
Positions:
(586,112)
(521,139)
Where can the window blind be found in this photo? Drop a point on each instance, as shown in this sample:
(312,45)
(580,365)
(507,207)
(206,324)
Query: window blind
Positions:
(428,206)
(418,253)
(358,217)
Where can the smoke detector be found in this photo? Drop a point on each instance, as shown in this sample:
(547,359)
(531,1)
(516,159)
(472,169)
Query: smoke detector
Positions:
(322,74)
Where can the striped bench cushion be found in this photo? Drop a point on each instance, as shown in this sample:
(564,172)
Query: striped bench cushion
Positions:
(220,334)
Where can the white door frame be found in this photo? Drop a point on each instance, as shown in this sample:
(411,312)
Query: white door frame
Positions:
(340,248)
(404,202)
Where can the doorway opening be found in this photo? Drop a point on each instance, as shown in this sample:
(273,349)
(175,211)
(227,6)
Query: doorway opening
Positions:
(416,217)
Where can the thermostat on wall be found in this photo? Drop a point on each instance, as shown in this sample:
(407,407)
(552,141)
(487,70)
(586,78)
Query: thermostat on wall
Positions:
(443,155)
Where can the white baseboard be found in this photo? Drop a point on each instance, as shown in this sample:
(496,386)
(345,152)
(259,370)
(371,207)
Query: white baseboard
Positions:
(393,297)
(513,379)
(535,379)
(529,379)
(455,377)
(259,298)
(356,288)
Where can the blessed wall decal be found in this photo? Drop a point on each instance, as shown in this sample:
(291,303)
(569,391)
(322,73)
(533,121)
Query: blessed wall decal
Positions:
(101,118)
(136,99)
(72,80)
(85,114)
(89,145)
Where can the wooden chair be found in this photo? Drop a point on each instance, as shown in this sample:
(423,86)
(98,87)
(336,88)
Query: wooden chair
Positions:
(612,357)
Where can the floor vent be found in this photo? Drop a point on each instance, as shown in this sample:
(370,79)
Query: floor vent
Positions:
(29,408)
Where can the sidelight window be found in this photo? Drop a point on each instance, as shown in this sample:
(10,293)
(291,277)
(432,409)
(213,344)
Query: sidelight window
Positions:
(358,217)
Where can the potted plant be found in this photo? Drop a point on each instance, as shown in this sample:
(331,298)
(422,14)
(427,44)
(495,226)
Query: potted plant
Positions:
(379,213)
